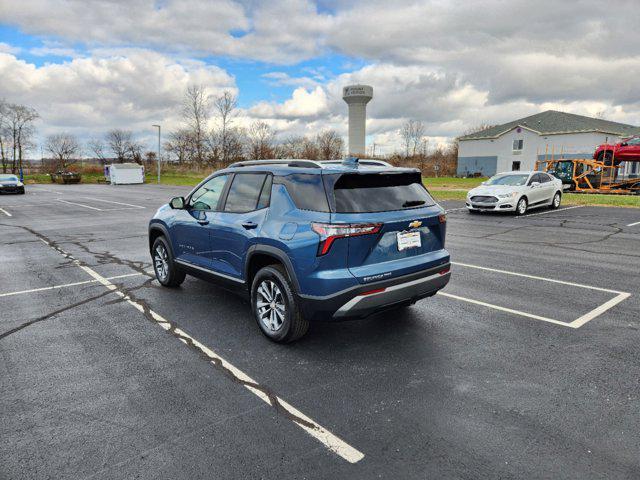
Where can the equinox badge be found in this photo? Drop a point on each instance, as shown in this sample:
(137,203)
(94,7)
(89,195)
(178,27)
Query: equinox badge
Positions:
(415,224)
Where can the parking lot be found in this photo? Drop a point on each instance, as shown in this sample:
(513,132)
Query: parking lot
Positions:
(526,365)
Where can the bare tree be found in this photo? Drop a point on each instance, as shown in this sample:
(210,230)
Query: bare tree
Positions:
(64,148)
(310,149)
(123,145)
(179,146)
(96,147)
(260,140)
(236,138)
(292,146)
(18,131)
(225,106)
(330,145)
(195,111)
(412,133)
(5,136)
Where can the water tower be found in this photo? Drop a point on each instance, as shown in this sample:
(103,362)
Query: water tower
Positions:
(357,97)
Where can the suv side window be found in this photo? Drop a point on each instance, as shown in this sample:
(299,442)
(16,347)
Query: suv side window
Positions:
(265,195)
(208,195)
(306,190)
(244,192)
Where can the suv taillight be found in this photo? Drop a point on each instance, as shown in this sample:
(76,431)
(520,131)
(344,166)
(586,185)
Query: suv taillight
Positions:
(330,231)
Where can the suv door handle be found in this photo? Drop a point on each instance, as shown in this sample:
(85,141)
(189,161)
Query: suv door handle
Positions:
(249,225)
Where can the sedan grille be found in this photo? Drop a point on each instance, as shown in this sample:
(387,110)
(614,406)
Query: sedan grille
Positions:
(484,199)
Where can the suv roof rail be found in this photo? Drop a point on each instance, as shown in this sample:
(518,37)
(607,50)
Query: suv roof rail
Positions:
(288,162)
(361,161)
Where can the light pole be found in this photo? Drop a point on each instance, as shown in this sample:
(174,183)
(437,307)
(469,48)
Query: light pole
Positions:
(158,126)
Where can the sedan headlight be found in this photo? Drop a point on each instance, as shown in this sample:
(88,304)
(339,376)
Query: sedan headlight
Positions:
(508,195)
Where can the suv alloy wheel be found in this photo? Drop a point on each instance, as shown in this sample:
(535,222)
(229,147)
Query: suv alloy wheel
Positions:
(274,305)
(166,272)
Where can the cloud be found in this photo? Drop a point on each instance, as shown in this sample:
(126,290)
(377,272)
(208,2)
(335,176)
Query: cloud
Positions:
(302,104)
(452,65)
(280,79)
(282,31)
(94,94)
(6,48)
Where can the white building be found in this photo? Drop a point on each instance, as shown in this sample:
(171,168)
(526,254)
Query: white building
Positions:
(516,145)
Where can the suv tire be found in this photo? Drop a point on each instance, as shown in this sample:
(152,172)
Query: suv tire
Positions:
(274,305)
(166,271)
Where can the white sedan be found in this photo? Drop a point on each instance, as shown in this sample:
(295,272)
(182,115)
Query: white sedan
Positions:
(515,191)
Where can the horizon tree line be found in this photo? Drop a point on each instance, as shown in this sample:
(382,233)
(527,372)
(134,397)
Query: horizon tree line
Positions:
(208,136)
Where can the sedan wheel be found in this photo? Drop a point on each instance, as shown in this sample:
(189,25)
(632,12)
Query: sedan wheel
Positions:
(521,207)
(556,200)
(270,305)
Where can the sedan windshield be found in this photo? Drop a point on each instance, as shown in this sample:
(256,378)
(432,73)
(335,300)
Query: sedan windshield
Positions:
(513,180)
(10,178)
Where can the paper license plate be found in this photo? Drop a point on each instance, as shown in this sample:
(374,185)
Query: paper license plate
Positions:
(408,240)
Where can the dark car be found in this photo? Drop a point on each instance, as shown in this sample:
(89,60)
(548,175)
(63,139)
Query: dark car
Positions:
(306,240)
(10,184)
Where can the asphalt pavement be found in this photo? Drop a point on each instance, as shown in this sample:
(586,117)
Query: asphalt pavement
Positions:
(526,366)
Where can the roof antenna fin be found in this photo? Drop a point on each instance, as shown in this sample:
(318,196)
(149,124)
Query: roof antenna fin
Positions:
(351,162)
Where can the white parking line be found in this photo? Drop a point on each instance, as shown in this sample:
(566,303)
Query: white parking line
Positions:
(111,201)
(47,190)
(550,211)
(5,212)
(79,204)
(502,309)
(535,277)
(577,323)
(29,205)
(633,224)
(328,439)
(54,287)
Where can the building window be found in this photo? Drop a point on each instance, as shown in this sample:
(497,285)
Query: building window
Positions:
(517,145)
(515,166)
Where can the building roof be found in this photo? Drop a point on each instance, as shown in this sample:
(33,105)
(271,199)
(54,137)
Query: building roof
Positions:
(553,122)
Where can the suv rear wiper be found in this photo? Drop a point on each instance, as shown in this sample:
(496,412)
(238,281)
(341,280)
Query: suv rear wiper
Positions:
(412,203)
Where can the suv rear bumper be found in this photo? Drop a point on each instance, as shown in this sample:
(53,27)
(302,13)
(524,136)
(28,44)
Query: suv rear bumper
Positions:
(367,299)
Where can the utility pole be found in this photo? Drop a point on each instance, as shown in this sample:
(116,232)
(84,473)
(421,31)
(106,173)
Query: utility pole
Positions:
(158,127)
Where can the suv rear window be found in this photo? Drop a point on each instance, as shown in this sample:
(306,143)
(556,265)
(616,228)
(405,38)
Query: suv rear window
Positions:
(306,191)
(379,192)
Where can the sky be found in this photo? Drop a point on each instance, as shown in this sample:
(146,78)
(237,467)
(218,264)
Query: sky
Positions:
(90,66)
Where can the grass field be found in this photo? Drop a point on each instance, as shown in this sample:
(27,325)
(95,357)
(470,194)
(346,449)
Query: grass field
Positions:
(443,188)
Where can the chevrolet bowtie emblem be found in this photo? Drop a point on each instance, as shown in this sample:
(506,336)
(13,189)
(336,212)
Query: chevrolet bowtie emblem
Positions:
(415,224)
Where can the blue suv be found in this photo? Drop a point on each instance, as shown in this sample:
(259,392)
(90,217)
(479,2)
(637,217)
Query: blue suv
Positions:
(306,240)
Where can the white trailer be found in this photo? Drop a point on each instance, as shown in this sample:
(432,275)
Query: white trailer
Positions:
(124,173)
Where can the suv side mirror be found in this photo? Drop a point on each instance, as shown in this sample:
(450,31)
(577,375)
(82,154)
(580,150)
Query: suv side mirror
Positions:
(624,144)
(177,203)
(534,184)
